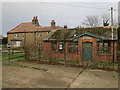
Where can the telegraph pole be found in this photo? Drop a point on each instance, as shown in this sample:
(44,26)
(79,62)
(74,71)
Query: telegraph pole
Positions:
(112,20)
(112,30)
(111,16)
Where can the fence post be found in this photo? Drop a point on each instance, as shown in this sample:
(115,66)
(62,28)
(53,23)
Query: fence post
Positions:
(39,51)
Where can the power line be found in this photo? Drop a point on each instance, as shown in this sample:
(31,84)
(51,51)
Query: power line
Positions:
(77,6)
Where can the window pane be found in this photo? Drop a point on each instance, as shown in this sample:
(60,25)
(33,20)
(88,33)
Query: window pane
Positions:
(73,47)
(16,36)
(100,46)
(39,35)
(54,46)
(76,47)
(104,47)
(61,47)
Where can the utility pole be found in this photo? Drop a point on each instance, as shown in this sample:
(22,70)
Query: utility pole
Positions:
(111,16)
(112,30)
(112,20)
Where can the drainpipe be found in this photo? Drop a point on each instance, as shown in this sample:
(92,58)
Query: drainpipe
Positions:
(113,51)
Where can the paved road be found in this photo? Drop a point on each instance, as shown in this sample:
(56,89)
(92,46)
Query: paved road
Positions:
(52,76)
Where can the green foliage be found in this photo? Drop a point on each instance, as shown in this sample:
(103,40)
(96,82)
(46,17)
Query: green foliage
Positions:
(4,40)
(104,64)
(67,34)
(105,23)
(36,68)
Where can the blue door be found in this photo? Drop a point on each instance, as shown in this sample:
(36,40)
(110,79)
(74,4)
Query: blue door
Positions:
(87,51)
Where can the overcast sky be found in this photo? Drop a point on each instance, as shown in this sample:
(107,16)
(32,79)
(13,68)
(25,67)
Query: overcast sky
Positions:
(71,14)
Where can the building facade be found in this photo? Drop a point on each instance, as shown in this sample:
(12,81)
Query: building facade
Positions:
(97,44)
(29,33)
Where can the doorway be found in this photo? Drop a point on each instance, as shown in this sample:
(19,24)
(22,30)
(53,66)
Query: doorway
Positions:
(87,51)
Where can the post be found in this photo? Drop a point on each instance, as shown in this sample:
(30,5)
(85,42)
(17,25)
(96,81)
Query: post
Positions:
(39,50)
(8,53)
(112,30)
(111,16)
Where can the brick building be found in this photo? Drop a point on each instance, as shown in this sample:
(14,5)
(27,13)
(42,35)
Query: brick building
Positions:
(97,44)
(29,33)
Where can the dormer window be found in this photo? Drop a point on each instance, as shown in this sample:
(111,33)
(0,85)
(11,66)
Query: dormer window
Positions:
(16,36)
(39,35)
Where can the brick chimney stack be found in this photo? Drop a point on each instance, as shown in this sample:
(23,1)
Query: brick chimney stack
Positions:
(65,26)
(35,21)
(53,24)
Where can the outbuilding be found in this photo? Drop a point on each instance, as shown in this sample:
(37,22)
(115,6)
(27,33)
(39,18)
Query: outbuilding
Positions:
(95,44)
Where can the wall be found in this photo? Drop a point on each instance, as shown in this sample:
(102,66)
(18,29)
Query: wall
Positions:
(29,39)
(78,56)
(39,39)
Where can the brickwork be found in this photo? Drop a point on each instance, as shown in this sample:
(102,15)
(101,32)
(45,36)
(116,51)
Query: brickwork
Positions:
(96,57)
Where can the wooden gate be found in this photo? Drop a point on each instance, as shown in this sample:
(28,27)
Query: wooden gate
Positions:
(87,51)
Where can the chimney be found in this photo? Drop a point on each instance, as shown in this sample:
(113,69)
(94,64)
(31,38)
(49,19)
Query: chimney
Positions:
(53,24)
(65,26)
(35,21)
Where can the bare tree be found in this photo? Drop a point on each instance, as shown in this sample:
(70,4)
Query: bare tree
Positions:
(92,21)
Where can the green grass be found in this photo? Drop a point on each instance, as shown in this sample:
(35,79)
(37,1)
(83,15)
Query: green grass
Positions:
(36,68)
(104,64)
(15,56)
(94,64)
(60,60)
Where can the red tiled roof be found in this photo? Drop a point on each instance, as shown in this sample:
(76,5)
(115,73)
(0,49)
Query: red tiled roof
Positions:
(110,26)
(29,27)
(102,27)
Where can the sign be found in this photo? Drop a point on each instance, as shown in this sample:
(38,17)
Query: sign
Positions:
(87,38)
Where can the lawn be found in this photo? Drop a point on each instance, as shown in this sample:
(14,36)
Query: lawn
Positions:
(16,56)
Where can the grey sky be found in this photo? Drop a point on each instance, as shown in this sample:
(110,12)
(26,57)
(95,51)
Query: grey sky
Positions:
(64,13)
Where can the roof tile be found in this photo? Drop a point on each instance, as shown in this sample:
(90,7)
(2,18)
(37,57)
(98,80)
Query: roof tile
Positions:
(29,27)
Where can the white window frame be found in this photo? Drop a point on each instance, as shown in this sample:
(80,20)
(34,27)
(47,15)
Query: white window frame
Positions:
(39,35)
(16,35)
(18,43)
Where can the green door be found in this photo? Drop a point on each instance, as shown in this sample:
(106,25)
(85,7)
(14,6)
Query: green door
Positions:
(87,51)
